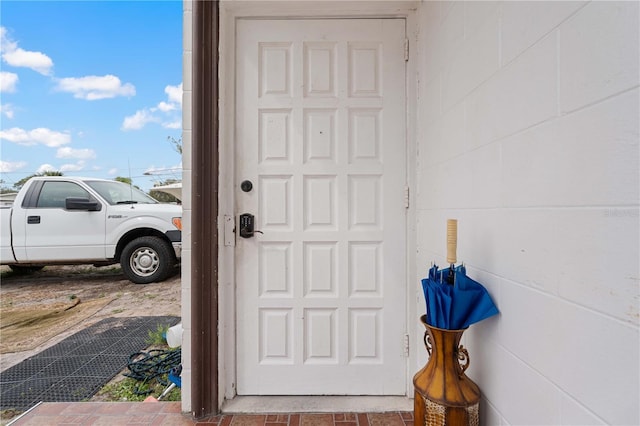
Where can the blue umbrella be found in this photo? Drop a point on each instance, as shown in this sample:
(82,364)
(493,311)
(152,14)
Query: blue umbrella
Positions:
(455,301)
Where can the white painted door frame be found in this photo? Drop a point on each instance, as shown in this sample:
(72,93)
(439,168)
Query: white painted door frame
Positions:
(230,12)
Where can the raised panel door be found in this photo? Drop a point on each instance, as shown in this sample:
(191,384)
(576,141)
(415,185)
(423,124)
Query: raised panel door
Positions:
(320,131)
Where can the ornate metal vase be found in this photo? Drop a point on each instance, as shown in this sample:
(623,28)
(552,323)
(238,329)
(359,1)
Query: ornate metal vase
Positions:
(444,395)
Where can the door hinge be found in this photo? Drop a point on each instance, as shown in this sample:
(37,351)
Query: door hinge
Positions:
(406,345)
(406,49)
(406,197)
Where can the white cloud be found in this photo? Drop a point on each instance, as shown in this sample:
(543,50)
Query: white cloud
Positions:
(8,82)
(172,125)
(42,136)
(166,107)
(166,113)
(6,44)
(72,167)
(7,110)
(175,94)
(46,168)
(113,172)
(11,166)
(94,87)
(18,57)
(83,154)
(163,170)
(37,61)
(138,120)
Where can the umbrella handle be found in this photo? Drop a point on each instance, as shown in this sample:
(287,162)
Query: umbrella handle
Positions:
(452,240)
(463,356)
(427,342)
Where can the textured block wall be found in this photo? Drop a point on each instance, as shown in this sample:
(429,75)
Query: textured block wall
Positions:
(187,163)
(528,135)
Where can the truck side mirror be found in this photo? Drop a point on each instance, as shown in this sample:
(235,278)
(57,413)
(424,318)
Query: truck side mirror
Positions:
(81,203)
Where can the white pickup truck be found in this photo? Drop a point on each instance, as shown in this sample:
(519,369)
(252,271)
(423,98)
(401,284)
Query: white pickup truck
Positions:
(59,220)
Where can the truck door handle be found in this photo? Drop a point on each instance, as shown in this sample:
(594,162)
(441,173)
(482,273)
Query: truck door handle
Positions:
(33,219)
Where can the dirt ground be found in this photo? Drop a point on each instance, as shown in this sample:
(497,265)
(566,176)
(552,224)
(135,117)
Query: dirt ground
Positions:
(106,289)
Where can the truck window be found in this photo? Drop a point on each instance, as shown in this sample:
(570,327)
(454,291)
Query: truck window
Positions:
(53,194)
(119,193)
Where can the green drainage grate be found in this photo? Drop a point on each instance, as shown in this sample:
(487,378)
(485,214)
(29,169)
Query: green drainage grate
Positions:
(77,367)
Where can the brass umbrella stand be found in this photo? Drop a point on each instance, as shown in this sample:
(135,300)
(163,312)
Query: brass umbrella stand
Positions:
(444,395)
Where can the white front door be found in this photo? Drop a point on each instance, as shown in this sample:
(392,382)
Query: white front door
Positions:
(320,127)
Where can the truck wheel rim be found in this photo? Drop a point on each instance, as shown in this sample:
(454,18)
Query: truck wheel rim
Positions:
(144,261)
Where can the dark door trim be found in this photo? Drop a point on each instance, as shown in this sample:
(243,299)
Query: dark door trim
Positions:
(204,196)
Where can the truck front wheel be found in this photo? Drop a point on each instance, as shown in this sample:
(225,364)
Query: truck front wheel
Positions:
(147,259)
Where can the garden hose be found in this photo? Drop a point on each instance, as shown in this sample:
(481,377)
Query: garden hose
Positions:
(155,364)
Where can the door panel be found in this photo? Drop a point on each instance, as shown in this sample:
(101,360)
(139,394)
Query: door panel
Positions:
(320,127)
(53,233)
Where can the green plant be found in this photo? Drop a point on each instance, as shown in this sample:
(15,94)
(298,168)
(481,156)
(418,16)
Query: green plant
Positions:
(157,337)
(99,270)
(22,181)
(79,392)
(108,270)
(9,414)
(133,390)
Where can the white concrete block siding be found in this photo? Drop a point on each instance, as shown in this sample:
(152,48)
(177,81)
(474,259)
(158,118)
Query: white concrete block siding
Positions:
(471,62)
(596,142)
(522,94)
(598,50)
(544,181)
(527,22)
(187,161)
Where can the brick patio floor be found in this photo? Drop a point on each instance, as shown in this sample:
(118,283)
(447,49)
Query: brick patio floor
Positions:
(169,413)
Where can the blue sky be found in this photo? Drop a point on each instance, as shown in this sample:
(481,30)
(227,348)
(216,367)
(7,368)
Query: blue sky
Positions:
(90,88)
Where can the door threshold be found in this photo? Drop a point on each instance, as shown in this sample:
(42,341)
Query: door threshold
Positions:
(316,404)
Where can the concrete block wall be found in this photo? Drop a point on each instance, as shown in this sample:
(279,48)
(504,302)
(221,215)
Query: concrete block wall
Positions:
(187,166)
(528,128)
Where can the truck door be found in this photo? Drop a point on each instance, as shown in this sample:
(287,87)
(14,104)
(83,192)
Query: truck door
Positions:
(53,233)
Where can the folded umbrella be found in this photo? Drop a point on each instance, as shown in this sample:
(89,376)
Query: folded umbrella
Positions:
(455,301)
(472,302)
(438,299)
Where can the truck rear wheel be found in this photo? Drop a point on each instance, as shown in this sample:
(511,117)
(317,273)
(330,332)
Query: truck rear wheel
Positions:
(147,259)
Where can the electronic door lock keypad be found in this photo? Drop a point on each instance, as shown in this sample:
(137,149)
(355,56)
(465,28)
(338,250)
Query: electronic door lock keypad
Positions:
(247,223)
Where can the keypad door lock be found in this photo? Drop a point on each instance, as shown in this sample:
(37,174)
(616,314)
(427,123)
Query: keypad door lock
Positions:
(247,224)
